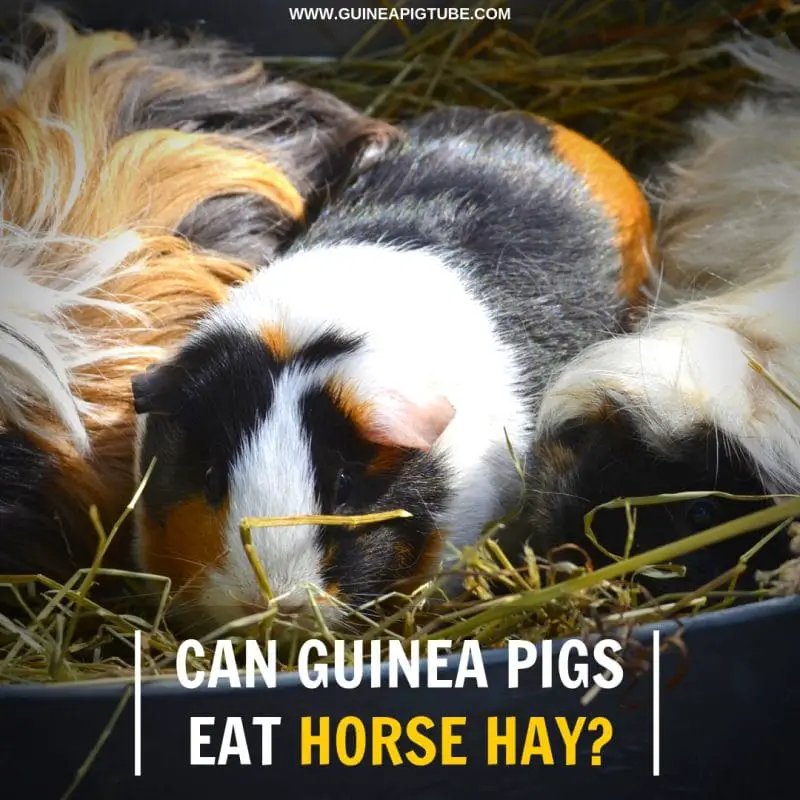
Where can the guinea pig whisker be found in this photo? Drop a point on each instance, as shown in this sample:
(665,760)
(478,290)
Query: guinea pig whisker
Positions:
(187,584)
(547,493)
(717,462)
(668,511)
(191,562)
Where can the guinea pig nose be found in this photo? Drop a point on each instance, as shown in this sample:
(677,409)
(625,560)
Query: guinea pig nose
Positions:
(290,606)
(293,601)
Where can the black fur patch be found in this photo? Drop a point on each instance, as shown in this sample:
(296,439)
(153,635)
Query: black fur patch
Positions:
(222,388)
(32,530)
(244,227)
(218,390)
(367,559)
(612,461)
(327,347)
(337,447)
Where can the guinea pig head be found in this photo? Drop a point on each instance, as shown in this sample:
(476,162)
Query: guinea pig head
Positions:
(590,460)
(256,424)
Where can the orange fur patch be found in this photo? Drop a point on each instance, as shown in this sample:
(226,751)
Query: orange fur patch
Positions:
(605,412)
(80,484)
(385,461)
(332,588)
(330,555)
(277,342)
(347,401)
(561,458)
(431,553)
(189,542)
(613,187)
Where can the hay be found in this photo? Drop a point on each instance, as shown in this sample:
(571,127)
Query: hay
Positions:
(626,79)
(624,72)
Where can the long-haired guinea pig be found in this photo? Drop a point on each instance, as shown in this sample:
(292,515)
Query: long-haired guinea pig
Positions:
(380,363)
(139,181)
(676,405)
(728,202)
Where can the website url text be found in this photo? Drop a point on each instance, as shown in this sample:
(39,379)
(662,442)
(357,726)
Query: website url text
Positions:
(381,14)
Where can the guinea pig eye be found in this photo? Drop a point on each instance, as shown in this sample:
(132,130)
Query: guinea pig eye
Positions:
(703,514)
(214,486)
(342,487)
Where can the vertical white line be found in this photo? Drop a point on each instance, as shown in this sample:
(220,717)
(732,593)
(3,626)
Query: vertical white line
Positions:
(656,703)
(137,704)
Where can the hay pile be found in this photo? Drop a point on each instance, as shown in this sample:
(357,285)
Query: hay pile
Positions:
(624,72)
(622,76)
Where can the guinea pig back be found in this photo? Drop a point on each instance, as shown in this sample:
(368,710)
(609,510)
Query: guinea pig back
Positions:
(141,179)
(620,196)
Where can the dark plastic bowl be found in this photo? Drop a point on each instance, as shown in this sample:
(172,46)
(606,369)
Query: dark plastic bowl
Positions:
(728,729)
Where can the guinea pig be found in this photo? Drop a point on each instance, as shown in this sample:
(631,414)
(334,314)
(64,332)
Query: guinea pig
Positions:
(727,200)
(140,180)
(677,405)
(380,364)
(608,453)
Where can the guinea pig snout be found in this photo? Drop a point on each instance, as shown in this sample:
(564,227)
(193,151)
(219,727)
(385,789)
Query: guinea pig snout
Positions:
(292,605)
(295,600)
(286,605)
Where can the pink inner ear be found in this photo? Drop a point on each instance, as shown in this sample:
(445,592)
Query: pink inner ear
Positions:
(396,421)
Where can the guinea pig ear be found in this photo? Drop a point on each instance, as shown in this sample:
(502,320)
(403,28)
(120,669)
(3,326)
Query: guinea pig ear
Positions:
(155,391)
(396,421)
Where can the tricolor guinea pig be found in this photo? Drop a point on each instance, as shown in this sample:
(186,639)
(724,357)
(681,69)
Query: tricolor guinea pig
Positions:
(140,179)
(381,363)
(676,405)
